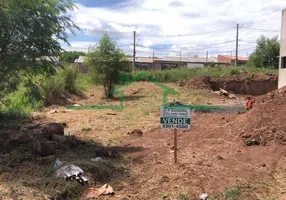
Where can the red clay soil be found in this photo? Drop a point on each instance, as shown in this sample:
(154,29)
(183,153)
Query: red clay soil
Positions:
(244,83)
(247,83)
(266,121)
(212,157)
(215,155)
(201,82)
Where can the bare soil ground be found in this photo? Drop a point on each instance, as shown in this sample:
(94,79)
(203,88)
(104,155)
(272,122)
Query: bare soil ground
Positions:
(212,158)
(242,83)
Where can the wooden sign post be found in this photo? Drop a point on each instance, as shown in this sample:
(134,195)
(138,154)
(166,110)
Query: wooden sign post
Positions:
(175,117)
(175,147)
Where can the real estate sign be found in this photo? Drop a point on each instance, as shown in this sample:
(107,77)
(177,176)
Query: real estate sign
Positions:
(175,117)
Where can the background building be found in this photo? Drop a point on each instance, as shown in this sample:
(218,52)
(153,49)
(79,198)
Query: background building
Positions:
(282,64)
(231,60)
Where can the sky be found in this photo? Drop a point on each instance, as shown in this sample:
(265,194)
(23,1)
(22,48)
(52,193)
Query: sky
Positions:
(174,27)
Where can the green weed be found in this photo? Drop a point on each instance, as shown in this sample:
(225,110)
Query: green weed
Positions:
(85,129)
(181,74)
(30,93)
(234,72)
(182,196)
(232,193)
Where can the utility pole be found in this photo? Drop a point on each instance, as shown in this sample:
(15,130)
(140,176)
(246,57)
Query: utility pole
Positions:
(236,52)
(134,51)
(153,59)
(207,58)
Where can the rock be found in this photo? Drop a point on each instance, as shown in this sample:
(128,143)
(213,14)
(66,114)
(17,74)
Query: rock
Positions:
(59,138)
(107,153)
(252,142)
(30,127)
(219,158)
(165,179)
(53,111)
(45,130)
(246,136)
(25,137)
(136,132)
(46,148)
(49,129)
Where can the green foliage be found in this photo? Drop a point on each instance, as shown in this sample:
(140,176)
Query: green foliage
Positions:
(56,89)
(69,76)
(70,56)
(85,129)
(266,53)
(234,72)
(175,75)
(32,93)
(212,64)
(22,101)
(30,30)
(232,193)
(182,196)
(106,62)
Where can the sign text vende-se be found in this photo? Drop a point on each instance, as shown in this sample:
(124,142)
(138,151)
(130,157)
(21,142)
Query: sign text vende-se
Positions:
(175,117)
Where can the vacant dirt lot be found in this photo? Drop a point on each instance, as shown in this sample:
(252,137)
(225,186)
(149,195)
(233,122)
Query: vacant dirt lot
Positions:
(212,158)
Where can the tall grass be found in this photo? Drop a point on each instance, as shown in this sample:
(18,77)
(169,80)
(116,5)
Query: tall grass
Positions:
(31,93)
(175,75)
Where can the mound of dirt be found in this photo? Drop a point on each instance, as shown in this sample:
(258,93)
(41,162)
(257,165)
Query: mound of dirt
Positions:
(202,82)
(266,121)
(244,83)
(246,76)
(247,83)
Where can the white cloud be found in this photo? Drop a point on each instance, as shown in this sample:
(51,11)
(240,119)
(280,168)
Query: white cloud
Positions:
(179,17)
(78,46)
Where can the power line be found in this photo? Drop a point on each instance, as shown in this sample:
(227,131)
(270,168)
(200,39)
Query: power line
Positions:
(248,41)
(194,52)
(196,47)
(188,34)
(259,29)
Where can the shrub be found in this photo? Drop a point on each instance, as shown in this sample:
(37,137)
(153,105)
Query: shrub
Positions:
(21,102)
(234,72)
(107,62)
(28,94)
(69,79)
(181,74)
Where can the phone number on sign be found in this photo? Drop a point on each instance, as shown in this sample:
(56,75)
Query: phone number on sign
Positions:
(174,126)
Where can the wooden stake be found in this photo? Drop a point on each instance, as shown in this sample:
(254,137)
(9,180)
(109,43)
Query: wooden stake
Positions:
(175,146)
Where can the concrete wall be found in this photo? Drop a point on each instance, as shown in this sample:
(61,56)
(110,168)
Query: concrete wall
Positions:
(282,72)
(194,65)
(157,66)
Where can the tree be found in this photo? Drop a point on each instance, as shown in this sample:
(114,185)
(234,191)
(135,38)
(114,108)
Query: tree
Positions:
(31,31)
(107,62)
(266,53)
(70,56)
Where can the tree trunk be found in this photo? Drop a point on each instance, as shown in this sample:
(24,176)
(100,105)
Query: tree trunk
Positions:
(109,91)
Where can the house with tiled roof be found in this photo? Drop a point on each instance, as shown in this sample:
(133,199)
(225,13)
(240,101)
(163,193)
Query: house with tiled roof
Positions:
(231,59)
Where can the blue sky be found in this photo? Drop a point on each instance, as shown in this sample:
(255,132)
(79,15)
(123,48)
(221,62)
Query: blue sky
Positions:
(203,25)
